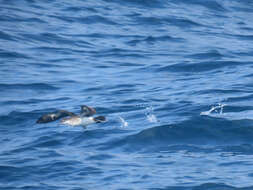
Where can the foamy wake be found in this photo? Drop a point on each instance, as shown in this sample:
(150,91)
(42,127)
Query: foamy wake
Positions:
(215,109)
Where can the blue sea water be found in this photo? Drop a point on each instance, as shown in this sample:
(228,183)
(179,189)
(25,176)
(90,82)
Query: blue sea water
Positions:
(173,78)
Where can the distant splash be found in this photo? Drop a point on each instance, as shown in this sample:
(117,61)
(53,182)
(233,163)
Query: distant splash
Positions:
(124,123)
(152,118)
(148,112)
(217,109)
(218,112)
(150,115)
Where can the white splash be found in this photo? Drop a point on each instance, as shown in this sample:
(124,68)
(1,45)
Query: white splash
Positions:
(152,118)
(150,115)
(217,109)
(218,113)
(123,122)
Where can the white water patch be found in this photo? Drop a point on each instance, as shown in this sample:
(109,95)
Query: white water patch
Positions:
(148,112)
(218,112)
(152,118)
(150,115)
(123,122)
(216,109)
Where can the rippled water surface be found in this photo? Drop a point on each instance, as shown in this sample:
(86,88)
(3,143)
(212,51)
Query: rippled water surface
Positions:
(173,78)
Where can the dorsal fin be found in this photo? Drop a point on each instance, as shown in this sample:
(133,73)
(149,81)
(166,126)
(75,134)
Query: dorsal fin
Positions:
(87,111)
(54,116)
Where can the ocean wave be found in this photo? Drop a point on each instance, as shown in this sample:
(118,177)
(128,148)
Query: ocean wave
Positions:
(156,70)
(210,4)
(30,86)
(204,66)
(12,54)
(87,20)
(197,131)
(207,186)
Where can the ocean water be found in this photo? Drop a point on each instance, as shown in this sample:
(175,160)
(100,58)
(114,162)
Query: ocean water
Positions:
(173,78)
